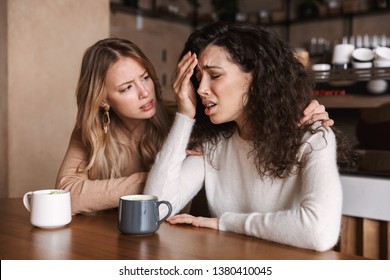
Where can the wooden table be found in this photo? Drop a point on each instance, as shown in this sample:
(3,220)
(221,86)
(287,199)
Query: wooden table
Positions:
(97,238)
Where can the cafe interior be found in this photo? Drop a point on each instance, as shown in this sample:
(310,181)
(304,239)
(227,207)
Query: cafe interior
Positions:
(42,43)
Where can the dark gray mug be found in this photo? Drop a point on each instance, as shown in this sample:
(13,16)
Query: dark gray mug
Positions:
(139,214)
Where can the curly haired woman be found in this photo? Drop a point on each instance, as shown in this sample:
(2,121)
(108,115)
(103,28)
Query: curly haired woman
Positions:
(264,176)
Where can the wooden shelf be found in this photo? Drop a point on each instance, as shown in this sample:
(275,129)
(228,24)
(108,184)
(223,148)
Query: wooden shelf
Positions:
(341,15)
(353,83)
(352,75)
(353,101)
(151,13)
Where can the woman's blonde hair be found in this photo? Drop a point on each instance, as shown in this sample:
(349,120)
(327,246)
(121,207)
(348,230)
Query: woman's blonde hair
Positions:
(103,150)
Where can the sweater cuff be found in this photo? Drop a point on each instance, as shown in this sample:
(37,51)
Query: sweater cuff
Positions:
(184,119)
(232,222)
(180,131)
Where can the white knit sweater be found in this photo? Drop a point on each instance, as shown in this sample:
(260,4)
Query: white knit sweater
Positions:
(303,210)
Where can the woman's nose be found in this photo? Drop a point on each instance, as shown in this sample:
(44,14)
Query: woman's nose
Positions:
(203,89)
(143,92)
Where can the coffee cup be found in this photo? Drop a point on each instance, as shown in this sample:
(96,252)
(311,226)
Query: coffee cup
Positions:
(382,53)
(381,63)
(48,208)
(342,54)
(140,215)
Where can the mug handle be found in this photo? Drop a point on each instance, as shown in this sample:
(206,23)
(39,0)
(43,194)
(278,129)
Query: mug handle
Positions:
(169,210)
(26,200)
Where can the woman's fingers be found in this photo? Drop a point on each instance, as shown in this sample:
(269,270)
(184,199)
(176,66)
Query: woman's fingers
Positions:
(183,88)
(184,59)
(328,122)
(185,69)
(195,221)
(194,153)
(183,76)
(181,219)
(316,112)
(312,106)
(187,219)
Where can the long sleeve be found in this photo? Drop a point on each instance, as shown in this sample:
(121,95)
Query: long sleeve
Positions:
(93,195)
(174,176)
(309,210)
(302,210)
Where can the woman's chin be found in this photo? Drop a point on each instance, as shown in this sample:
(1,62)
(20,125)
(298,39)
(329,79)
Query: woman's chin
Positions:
(215,120)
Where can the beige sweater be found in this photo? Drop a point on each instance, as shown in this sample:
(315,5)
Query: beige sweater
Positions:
(93,195)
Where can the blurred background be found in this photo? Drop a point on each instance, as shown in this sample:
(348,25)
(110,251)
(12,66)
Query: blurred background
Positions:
(42,43)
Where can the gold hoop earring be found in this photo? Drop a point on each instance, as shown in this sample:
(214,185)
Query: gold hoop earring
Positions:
(106,119)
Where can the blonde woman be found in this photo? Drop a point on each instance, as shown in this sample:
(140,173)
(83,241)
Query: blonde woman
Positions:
(121,125)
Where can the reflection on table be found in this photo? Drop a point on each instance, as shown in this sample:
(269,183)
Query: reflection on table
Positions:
(96,237)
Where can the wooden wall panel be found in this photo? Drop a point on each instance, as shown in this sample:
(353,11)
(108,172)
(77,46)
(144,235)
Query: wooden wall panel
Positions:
(371,242)
(365,237)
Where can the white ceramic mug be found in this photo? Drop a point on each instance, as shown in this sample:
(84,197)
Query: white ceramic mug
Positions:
(342,53)
(49,208)
(382,53)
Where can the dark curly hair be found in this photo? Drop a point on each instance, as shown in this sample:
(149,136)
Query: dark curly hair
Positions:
(280,90)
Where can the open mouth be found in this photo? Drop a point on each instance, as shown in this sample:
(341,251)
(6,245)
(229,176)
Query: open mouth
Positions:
(210,105)
(147,105)
(209,108)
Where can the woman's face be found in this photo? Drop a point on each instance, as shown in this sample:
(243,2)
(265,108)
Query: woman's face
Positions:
(223,86)
(130,91)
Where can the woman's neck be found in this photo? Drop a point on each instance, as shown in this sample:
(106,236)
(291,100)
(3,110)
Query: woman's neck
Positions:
(244,130)
(134,127)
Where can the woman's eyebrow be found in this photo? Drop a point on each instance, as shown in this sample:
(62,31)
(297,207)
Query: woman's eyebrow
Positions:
(129,82)
(146,71)
(211,67)
(125,83)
